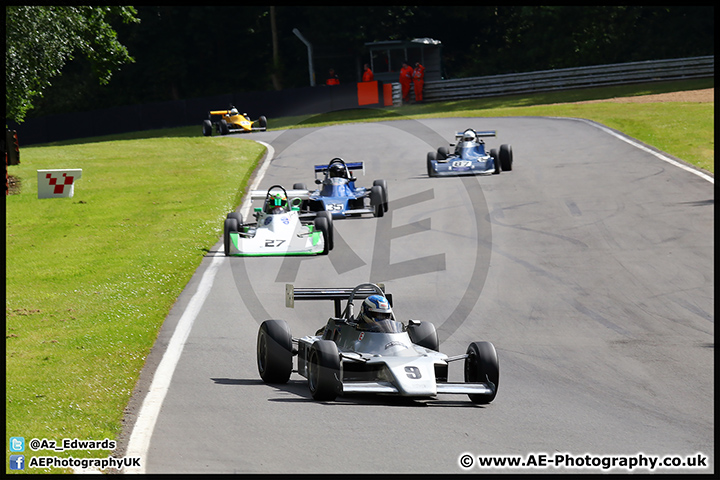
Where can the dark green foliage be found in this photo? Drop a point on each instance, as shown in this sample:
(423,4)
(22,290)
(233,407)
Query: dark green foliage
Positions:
(40,40)
(194,52)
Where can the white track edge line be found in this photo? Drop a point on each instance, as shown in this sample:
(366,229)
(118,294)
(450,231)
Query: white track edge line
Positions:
(139,442)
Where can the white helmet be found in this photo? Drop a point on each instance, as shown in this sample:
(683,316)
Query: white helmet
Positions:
(233,111)
(469,136)
(374,309)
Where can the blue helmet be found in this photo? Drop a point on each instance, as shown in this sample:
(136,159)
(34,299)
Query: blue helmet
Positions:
(374,309)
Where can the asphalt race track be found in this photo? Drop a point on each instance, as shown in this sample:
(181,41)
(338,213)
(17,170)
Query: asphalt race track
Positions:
(590,267)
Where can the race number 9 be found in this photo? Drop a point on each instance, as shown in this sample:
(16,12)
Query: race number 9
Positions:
(413,372)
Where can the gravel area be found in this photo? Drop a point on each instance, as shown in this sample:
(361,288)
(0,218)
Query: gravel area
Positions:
(698,96)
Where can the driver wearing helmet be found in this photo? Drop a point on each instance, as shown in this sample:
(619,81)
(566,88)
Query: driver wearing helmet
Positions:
(233,111)
(468,140)
(277,203)
(337,170)
(377,316)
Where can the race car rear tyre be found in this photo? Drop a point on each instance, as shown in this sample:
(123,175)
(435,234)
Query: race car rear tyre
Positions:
(425,335)
(231,225)
(442,153)
(376,201)
(324,370)
(331,228)
(482,365)
(224,129)
(506,157)
(383,184)
(274,351)
(496,160)
(237,216)
(322,226)
(207,128)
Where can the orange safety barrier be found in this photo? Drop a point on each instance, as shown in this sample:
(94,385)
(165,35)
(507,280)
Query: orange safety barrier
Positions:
(387,94)
(368,93)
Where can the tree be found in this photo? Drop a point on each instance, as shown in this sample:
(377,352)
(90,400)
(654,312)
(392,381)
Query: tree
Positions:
(41,39)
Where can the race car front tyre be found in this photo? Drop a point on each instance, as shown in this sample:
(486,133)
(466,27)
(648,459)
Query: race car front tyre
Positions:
(324,370)
(231,225)
(424,334)
(383,184)
(331,228)
(431,157)
(262,121)
(482,365)
(506,157)
(274,351)
(207,128)
(322,226)
(376,201)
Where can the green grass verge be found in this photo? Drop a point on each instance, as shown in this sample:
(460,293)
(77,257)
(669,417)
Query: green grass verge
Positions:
(685,130)
(90,279)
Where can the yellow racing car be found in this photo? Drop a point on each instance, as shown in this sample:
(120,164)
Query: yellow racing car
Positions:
(232,121)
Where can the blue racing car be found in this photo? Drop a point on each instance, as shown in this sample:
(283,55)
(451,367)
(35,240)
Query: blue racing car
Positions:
(338,194)
(469,157)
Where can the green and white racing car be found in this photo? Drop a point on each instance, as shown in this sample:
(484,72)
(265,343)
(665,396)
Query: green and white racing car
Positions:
(280,228)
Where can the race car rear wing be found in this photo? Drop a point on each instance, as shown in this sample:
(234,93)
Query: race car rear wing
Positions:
(487,133)
(350,166)
(261,194)
(335,294)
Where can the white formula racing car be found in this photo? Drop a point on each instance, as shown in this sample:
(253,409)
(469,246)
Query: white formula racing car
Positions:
(371,352)
(280,228)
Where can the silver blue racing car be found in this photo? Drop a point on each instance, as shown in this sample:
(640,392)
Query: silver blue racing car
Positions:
(469,156)
(371,352)
(338,195)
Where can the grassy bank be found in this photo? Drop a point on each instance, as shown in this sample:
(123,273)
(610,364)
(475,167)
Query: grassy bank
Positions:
(90,279)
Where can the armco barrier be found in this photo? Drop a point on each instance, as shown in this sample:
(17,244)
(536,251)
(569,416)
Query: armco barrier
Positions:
(322,99)
(570,78)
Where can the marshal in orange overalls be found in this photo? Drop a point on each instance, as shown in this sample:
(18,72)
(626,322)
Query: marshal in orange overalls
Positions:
(405,79)
(419,81)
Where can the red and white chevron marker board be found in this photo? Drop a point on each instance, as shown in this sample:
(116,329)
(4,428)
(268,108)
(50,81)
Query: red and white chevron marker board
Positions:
(57,183)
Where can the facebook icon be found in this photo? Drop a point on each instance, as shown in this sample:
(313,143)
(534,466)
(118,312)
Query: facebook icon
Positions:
(17,462)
